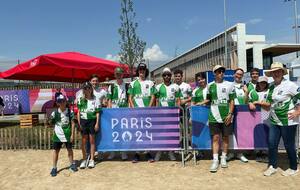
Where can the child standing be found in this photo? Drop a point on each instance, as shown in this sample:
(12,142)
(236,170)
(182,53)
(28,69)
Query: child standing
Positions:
(62,119)
(88,120)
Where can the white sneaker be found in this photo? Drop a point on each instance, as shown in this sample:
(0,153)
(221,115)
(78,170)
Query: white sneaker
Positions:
(124,156)
(224,162)
(290,172)
(242,158)
(171,156)
(270,171)
(214,166)
(83,164)
(157,156)
(91,164)
(111,156)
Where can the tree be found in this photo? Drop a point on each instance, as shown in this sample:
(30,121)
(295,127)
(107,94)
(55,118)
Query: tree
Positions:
(132,48)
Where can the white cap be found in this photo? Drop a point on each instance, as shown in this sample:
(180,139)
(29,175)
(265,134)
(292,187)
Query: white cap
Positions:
(167,70)
(218,67)
(262,79)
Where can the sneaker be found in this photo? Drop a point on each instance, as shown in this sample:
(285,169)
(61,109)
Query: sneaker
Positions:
(270,171)
(171,156)
(230,156)
(263,159)
(157,156)
(149,157)
(242,158)
(111,156)
(136,158)
(53,172)
(290,172)
(214,166)
(83,164)
(73,168)
(200,155)
(91,164)
(124,156)
(224,162)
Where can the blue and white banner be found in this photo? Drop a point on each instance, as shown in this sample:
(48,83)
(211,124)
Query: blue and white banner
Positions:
(131,129)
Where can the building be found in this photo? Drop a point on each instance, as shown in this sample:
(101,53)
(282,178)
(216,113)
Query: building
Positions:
(243,50)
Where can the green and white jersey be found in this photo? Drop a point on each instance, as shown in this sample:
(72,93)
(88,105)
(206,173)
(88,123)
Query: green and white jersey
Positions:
(117,95)
(219,95)
(283,98)
(240,98)
(141,92)
(100,93)
(258,96)
(62,125)
(89,108)
(185,91)
(167,95)
(199,94)
(251,86)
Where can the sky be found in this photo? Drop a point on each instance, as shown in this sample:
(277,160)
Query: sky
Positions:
(169,27)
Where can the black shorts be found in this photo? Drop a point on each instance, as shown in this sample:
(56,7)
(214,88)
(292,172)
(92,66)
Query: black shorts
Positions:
(57,145)
(220,128)
(87,126)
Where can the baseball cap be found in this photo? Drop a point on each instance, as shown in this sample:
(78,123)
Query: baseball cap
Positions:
(166,70)
(87,85)
(142,65)
(119,70)
(217,67)
(262,79)
(61,98)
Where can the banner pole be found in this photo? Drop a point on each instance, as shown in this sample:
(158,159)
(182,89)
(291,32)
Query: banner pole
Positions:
(183,136)
(297,150)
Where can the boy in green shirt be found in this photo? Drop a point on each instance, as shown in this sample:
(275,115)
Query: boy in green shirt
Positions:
(63,122)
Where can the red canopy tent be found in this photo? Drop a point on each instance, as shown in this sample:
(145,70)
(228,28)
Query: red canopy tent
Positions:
(63,67)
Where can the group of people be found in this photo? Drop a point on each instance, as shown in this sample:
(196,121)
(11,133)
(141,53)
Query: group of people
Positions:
(279,98)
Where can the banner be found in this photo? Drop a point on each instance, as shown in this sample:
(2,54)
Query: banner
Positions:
(31,101)
(15,101)
(250,128)
(42,99)
(130,129)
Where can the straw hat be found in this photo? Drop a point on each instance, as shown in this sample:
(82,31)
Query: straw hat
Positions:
(274,67)
(218,67)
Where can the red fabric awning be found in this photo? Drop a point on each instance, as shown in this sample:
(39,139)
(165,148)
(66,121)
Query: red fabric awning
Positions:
(63,67)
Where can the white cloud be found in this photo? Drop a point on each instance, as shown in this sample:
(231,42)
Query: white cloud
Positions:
(149,19)
(155,54)
(112,57)
(255,21)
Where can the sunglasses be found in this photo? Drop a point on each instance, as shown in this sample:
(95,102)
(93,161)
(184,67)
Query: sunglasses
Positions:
(165,75)
(220,71)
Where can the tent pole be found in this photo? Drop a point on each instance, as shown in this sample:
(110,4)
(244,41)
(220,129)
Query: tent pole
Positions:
(73,91)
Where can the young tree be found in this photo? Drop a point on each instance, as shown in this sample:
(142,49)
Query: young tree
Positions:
(132,48)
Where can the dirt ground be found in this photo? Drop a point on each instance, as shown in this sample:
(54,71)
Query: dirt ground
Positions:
(30,169)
